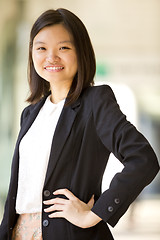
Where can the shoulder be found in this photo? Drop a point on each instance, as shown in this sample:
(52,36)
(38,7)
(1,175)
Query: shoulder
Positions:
(27,111)
(98,99)
(99,93)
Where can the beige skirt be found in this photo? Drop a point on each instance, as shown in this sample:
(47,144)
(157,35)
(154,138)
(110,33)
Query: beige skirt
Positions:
(28,227)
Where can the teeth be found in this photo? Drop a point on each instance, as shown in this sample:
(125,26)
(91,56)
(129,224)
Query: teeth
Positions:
(54,68)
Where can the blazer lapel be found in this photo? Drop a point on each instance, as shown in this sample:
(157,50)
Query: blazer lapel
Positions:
(33,114)
(61,134)
(62,131)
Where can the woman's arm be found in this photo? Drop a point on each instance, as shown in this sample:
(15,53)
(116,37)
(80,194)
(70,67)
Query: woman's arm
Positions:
(130,147)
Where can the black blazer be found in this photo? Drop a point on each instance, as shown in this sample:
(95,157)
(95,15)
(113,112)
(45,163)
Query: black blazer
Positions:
(86,133)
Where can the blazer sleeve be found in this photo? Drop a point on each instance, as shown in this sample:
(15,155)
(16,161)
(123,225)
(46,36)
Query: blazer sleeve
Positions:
(122,139)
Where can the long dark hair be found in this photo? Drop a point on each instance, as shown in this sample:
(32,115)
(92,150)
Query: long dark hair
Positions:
(84,50)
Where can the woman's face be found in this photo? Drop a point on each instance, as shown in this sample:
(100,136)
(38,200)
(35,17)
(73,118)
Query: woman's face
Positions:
(54,55)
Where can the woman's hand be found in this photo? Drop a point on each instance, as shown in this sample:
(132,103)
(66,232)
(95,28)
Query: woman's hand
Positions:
(72,209)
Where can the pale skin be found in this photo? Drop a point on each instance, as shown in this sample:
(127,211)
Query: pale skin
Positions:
(72,209)
(55,60)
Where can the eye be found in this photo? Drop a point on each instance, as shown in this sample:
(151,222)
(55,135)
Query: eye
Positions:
(41,48)
(64,48)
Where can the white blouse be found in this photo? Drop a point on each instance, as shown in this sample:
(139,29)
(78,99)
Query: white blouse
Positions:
(34,151)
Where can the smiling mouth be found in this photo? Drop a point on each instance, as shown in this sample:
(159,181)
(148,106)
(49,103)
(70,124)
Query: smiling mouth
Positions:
(54,68)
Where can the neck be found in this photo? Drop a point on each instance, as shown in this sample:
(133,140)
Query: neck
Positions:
(59,92)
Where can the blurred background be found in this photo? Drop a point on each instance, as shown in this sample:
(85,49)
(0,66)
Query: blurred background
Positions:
(126,38)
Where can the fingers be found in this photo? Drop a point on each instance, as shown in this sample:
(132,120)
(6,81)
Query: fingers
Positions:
(69,195)
(91,202)
(56,215)
(55,201)
(65,192)
(58,204)
(72,209)
(55,207)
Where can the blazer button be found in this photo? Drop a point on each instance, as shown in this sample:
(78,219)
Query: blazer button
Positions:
(47,193)
(116,200)
(45,223)
(110,209)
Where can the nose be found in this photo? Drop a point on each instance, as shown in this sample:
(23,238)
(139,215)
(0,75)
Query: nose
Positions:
(52,57)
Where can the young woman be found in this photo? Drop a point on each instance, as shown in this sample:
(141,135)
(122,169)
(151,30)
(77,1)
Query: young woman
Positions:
(67,134)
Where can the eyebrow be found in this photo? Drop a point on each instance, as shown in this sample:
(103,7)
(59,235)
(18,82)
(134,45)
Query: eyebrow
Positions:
(67,41)
(39,42)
